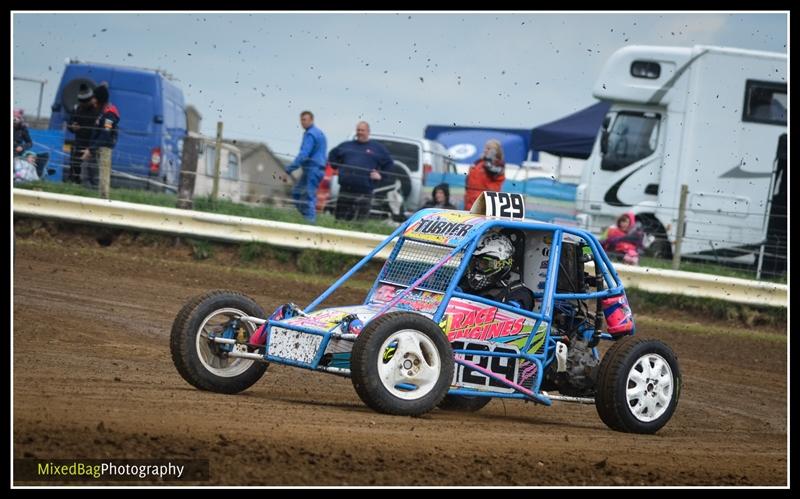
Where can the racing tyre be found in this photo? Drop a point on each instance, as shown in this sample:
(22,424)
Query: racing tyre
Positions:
(204,364)
(462,403)
(638,385)
(401,364)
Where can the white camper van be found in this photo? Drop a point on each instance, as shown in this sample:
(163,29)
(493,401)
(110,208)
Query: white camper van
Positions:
(229,187)
(712,118)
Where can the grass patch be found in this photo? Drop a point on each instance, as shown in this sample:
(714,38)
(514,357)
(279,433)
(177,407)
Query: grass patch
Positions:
(201,249)
(749,315)
(252,251)
(324,262)
(712,268)
(710,330)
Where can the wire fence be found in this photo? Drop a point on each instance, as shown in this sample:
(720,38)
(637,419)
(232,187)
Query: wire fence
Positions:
(721,236)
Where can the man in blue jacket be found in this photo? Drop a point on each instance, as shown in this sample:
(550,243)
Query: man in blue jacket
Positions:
(312,159)
(360,163)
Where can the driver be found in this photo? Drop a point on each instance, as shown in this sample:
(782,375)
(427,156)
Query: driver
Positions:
(489,273)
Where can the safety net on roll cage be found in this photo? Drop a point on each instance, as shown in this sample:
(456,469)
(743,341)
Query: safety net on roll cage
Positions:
(414,259)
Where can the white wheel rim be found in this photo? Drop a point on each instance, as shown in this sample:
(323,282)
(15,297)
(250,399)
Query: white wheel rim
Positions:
(408,364)
(649,388)
(223,367)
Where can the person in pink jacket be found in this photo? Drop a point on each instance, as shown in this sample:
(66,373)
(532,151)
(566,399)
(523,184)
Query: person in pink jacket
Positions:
(625,239)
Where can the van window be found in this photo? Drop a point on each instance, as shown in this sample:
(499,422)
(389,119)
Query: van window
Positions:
(174,116)
(403,152)
(765,102)
(211,154)
(233,166)
(633,136)
(138,113)
(227,170)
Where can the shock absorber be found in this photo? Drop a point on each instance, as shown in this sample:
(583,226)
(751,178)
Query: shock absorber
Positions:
(598,314)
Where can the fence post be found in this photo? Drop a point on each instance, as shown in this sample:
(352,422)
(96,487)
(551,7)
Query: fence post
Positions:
(676,255)
(218,150)
(188,172)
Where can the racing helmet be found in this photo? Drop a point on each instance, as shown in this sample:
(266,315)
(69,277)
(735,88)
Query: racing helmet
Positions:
(490,262)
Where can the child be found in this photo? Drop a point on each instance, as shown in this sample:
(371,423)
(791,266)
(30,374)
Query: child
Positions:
(625,239)
(440,198)
(25,168)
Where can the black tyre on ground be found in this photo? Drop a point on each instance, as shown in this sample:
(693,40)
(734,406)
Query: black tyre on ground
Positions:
(638,385)
(203,363)
(401,364)
(461,403)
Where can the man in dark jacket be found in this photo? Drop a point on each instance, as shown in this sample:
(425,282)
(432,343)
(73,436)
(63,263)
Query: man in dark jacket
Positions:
(360,163)
(103,139)
(81,124)
(22,138)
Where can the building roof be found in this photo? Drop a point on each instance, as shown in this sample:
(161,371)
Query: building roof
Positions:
(249,148)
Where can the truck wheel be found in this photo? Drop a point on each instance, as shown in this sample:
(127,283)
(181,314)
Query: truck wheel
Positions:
(401,364)
(660,246)
(638,385)
(203,363)
(462,403)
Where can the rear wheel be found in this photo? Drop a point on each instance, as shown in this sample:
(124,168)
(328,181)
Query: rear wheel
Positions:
(401,364)
(638,385)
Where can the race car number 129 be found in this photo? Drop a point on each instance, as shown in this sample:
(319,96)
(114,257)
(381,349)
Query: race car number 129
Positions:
(504,204)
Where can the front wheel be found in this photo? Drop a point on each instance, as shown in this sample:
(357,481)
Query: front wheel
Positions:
(401,364)
(638,385)
(204,363)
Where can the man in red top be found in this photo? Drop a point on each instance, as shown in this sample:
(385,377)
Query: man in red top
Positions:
(487,174)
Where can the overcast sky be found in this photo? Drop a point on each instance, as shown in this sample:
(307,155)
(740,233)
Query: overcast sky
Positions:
(399,71)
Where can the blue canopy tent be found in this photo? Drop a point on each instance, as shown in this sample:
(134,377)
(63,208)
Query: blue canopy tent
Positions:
(465,144)
(572,136)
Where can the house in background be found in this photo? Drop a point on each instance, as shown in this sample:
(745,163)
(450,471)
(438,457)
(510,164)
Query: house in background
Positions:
(229,187)
(263,179)
(257,173)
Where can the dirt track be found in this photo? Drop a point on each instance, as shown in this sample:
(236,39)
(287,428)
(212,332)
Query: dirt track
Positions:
(93,378)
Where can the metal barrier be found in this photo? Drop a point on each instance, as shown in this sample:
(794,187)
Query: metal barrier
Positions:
(241,229)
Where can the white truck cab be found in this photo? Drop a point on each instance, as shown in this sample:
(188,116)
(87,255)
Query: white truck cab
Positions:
(713,118)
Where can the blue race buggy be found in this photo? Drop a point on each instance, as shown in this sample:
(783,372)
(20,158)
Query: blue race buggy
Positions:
(420,340)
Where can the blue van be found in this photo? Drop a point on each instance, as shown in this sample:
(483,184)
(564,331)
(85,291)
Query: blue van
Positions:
(152,121)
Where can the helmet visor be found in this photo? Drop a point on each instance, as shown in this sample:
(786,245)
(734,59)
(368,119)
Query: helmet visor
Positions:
(488,264)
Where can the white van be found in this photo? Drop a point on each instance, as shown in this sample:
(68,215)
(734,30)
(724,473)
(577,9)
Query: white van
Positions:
(712,118)
(400,194)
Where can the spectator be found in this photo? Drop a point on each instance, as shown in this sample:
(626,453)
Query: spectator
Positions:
(25,168)
(103,140)
(311,159)
(22,138)
(360,163)
(440,198)
(489,273)
(487,174)
(81,123)
(624,239)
